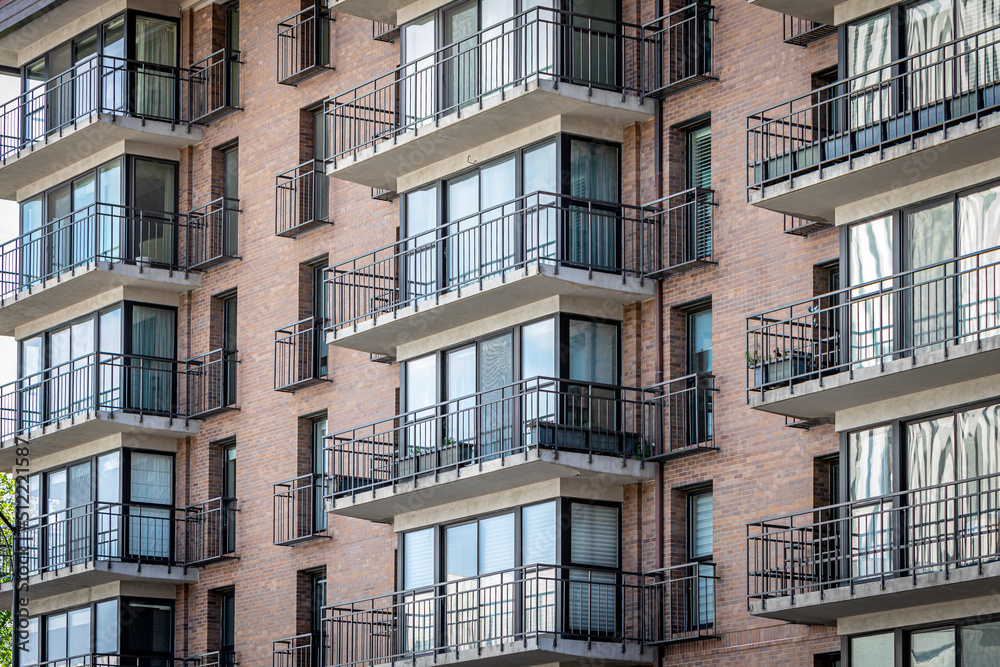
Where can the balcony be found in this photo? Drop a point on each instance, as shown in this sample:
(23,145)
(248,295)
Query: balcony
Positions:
(385,32)
(928,545)
(92,250)
(212,236)
(531,431)
(526,616)
(299,515)
(800,227)
(293,651)
(91,397)
(803,32)
(538,65)
(304,40)
(92,106)
(298,359)
(680,603)
(520,252)
(302,199)
(851,140)
(210,529)
(677,50)
(214,86)
(679,230)
(212,659)
(211,383)
(100,542)
(918,330)
(819,11)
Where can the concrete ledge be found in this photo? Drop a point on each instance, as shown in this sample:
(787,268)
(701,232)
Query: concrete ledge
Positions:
(89,426)
(95,573)
(816,196)
(84,282)
(90,135)
(900,593)
(383,334)
(471,481)
(823,398)
(519,107)
(813,10)
(540,651)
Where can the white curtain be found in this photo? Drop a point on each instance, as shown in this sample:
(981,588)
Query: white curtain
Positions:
(979,293)
(155,44)
(868,51)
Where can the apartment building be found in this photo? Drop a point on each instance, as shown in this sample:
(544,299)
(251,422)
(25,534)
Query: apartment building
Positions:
(363,332)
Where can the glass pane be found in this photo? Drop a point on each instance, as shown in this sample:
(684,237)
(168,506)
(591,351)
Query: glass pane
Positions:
(421,392)
(155,88)
(463,231)
(594,537)
(461,382)
(978,230)
(461,551)
(112,364)
(60,232)
(870,461)
(150,628)
(496,375)
(153,338)
(111,219)
(79,635)
(29,654)
(106,625)
(595,56)
(935,648)
(152,477)
(869,50)
(55,637)
(540,175)
(150,529)
(496,543)
(497,238)
(981,645)
(870,259)
(419,85)
(231,192)
(873,651)
(83,220)
(461,61)
(930,462)
(115,74)
(539,534)
(593,351)
(154,235)
(930,240)
(421,258)
(701,526)
(591,235)
(700,341)
(32,250)
(418,562)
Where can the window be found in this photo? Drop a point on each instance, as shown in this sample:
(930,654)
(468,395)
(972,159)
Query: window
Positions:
(317,441)
(320,309)
(698,406)
(466,224)
(230,328)
(699,176)
(233,51)
(511,554)
(229,498)
(699,330)
(231,199)
(227,628)
(700,550)
(320,152)
(969,643)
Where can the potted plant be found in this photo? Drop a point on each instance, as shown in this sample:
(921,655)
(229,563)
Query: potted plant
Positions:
(417,460)
(782,366)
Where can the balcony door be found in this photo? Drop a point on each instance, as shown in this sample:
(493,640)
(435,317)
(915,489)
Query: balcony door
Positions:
(593,594)
(873,535)
(72,364)
(152,234)
(478,381)
(156,83)
(151,498)
(594,43)
(592,233)
(152,365)
(591,410)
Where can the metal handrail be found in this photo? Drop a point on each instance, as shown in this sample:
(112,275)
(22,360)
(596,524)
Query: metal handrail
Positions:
(210,382)
(296,515)
(98,232)
(301,43)
(925,309)
(211,530)
(676,50)
(301,198)
(296,354)
(680,231)
(531,46)
(531,230)
(801,32)
(680,602)
(932,529)
(210,237)
(210,85)
(889,105)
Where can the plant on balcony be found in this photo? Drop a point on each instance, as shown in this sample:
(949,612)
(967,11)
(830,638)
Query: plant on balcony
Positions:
(418,459)
(770,370)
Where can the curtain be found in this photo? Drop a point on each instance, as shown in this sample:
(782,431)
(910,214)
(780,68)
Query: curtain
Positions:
(872,321)
(418,614)
(981,644)
(870,468)
(978,507)
(591,236)
(496,373)
(540,175)
(929,25)
(151,529)
(156,51)
(980,67)
(979,288)
(868,51)
(930,240)
(930,461)
(153,339)
(154,229)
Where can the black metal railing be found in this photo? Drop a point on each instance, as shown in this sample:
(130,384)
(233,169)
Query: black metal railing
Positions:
(540,44)
(299,513)
(211,383)
(227,658)
(128,660)
(213,233)
(931,308)
(660,422)
(384,32)
(91,383)
(679,231)
(215,85)
(297,354)
(535,229)
(97,532)
(869,112)
(680,602)
(304,40)
(95,233)
(302,199)
(676,50)
(802,227)
(103,84)
(932,529)
(802,32)
(519,605)
(293,651)
(211,530)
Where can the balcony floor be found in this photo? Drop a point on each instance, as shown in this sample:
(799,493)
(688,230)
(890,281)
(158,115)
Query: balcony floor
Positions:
(516,470)
(823,398)
(83,282)
(820,11)
(517,288)
(816,196)
(519,107)
(90,426)
(899,593)
(90,135)
(95,573)
(540,651)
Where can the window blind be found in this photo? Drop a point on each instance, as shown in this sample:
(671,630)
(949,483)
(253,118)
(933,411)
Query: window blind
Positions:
(594,535)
